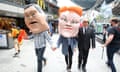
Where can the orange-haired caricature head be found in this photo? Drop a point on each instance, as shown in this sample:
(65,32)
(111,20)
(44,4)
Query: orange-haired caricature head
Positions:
(69,20)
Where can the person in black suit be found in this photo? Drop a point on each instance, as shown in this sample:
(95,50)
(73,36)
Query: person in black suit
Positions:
(86,35)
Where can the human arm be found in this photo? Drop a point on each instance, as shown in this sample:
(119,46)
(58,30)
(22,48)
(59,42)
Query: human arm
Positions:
(109,39)
(59,41)
(111,33)
(75,44)
(50,41)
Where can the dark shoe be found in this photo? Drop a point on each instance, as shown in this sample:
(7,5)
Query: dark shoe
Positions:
(108,64)
(45,62)
(68,68)
(18,51)
(84,69)
(16,54)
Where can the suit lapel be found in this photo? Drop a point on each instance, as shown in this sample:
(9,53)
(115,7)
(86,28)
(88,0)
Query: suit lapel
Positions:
(82,30)
(86,31)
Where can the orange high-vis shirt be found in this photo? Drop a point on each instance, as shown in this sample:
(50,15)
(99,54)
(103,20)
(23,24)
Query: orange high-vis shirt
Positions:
(15,32)
(21,35)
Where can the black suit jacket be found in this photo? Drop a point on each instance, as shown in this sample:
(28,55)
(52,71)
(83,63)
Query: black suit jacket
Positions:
(87,39)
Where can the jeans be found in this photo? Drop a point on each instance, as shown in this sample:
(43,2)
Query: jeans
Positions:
(40,53)
(110,55)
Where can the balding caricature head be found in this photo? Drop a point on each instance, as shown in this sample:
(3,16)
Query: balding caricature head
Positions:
(35,18)
(85,22)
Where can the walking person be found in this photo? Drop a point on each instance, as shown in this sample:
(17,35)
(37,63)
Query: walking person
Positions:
(14,34)
(68,47)
(86,36)
(104,33)
(113,42)
(18,36)
(19,40)
(68,26)
(36,22)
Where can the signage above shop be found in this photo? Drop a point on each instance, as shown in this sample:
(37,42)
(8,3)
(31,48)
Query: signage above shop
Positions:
(10,10)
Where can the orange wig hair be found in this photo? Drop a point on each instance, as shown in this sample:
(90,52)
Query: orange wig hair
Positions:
(75,9)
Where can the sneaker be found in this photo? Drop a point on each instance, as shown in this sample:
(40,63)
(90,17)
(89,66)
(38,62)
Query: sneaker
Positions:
(16,54)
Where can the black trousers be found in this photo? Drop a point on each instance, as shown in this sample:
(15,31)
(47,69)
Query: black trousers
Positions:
(82,57)
(68,58)
(110,55)
(40,58)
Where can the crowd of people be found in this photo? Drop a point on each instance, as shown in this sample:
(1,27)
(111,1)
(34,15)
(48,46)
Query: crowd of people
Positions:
(71,36)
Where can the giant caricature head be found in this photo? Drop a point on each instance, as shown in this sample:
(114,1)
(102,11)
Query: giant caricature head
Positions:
(69,21)
(35,18)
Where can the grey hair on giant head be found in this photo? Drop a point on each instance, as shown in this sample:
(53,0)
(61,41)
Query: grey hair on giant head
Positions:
(38,8)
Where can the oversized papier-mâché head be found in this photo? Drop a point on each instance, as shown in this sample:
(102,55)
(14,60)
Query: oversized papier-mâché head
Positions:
(35,18)
(69,20)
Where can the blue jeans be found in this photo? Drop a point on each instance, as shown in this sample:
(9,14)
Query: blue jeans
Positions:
(40,53)
(110,55)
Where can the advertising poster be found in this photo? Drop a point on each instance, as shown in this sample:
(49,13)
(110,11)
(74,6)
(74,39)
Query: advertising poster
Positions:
(3,40)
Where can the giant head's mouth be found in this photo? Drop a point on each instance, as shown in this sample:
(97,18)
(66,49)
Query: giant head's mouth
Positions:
(68,28)
(33,22)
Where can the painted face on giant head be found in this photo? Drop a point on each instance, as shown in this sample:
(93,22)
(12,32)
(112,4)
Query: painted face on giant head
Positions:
(35,20)
(69,23)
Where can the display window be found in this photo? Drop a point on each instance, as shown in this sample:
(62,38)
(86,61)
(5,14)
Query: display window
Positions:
(5,23)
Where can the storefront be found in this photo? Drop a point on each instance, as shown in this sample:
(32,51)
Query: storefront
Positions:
(5,29)
(5,40)
(8,14)
(5,22)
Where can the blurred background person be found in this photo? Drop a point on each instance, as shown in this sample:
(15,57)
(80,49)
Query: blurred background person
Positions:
(86,38)
(18,36)
(113,42)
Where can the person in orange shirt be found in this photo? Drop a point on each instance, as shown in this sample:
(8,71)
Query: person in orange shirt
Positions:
(22,35)
(14,32)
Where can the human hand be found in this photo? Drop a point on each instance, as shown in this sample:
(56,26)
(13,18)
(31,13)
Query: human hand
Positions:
(103,45)
(26,38)
(53,48)
(75,49)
